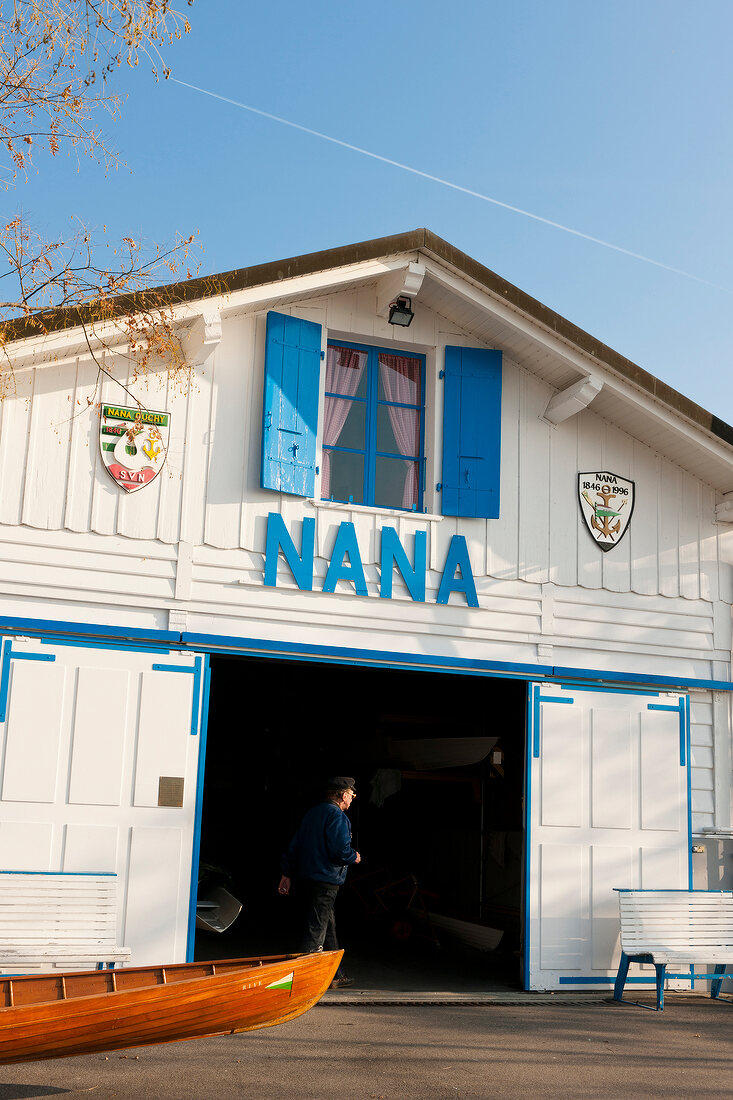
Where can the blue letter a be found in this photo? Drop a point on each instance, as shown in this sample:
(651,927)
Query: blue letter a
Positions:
(393,555)
(338,569)
(457,557)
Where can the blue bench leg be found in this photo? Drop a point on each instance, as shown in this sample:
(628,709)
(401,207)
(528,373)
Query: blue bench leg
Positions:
(623,969)
(660,969)
(717,982)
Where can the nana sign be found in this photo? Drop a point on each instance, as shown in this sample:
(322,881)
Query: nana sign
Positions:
(346,563)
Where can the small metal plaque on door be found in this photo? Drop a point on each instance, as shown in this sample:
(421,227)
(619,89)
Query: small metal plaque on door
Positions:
(170,790)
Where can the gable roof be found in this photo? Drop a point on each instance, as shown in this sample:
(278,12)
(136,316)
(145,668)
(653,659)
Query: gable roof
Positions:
(426,245)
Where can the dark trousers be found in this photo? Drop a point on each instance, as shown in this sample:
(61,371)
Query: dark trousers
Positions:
(319,925)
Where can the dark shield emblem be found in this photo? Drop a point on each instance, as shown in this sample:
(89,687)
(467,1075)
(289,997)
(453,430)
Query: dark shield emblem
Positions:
(606,502)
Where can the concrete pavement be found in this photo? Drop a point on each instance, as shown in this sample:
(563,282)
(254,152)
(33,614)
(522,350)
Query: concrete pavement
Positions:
(425,1052)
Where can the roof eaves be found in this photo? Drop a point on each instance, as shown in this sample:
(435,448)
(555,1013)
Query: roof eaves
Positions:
(245,278)
(212,286)
(580,339)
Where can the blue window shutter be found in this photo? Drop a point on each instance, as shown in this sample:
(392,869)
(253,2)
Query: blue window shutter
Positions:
(472,432)
(290,408)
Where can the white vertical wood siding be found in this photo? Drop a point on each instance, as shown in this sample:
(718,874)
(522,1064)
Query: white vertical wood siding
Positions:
(53,478)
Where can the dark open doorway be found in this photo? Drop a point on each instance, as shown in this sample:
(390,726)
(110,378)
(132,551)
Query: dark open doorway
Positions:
(439,766)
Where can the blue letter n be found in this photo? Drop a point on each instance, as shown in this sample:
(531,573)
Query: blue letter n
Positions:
(278,538)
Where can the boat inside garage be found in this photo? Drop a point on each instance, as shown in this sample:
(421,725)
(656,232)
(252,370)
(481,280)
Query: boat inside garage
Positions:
(439,762)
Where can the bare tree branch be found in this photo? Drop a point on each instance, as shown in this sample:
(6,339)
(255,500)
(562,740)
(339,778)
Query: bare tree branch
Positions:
(57,58)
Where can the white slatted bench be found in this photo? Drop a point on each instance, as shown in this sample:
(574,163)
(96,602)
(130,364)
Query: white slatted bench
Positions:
(675,928)
(58,918)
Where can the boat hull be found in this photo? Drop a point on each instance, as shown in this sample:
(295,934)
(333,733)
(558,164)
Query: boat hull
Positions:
(230,998)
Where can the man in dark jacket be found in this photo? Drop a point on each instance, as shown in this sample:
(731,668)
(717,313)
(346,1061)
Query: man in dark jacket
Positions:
(318,857)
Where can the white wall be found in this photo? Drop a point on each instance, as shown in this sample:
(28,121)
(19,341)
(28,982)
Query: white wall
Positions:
(71,541)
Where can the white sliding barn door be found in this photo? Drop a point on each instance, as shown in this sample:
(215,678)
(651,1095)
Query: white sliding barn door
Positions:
(608,807)
(99,754)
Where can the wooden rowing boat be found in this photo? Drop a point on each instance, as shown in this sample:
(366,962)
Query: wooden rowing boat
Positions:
(58,1015)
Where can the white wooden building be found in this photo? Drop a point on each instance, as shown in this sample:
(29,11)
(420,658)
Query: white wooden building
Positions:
(460,438)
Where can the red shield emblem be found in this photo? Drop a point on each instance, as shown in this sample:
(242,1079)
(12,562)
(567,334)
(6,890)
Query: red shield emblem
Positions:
(134,444)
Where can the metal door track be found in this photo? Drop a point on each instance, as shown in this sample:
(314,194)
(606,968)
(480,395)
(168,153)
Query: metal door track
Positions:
(506,999)
(385,997)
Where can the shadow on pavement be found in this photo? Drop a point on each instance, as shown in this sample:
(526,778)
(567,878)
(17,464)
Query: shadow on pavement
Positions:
(25,1092)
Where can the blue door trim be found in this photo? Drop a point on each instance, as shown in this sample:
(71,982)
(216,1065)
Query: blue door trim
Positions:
(691,975)
(195,671)
(10,654)
(196,850)
(626,690)
(533,723)
(544,699)
(94,633)
(215,643)
(579,980)
(11,624)
(534,698)
(685,721)
(672,682)
(98,643)
(681,707)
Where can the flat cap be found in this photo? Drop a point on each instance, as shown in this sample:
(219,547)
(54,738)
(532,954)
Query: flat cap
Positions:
(341,783)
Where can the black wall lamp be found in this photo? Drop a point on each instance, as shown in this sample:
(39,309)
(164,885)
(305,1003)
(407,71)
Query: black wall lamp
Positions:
(400,312)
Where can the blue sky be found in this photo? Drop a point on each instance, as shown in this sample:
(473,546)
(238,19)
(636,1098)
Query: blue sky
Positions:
(613,119)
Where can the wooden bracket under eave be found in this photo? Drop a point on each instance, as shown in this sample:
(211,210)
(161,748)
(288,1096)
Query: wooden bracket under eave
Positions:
(404,282)
(724,510)
(204,338)
(573,399)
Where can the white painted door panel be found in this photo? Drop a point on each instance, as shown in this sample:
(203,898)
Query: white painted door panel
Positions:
(97,749)
(609,865)
(607,785)
(166,699)
(34,728)
(86,734)
(25,843)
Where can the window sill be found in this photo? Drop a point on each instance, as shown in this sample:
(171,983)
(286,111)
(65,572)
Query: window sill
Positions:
(368,510)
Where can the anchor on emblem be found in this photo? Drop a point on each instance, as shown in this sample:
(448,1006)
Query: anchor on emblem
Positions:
(603,513)
(153,446)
